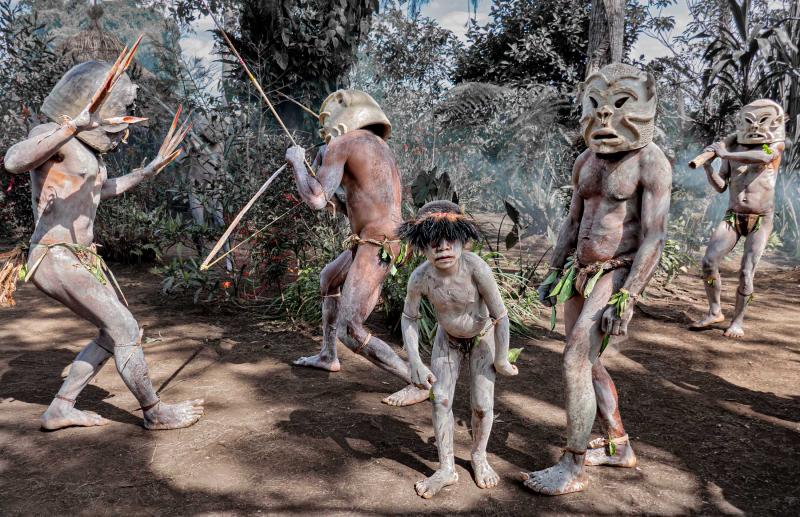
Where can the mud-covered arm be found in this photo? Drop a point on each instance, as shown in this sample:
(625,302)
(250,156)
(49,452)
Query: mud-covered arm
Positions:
(421,375)
(317,191)
(656,187)
(718,179)
(116,186)
(490,294)
(568,234)
(756,156)
(42,143)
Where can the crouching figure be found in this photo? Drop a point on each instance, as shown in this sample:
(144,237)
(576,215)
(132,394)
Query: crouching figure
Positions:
(472,324)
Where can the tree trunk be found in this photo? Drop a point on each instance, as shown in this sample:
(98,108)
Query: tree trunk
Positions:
(606,31)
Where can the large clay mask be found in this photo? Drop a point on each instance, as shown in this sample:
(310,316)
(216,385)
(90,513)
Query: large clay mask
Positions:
(761,122)
(445,254)
(74,91)
(619,108)
(346,110)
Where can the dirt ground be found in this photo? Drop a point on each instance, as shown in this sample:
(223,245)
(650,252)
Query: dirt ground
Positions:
(715,422)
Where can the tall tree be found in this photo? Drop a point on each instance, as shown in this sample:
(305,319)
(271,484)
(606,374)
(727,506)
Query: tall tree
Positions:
(606,34)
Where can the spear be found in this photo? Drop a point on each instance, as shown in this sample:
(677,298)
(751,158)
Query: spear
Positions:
(222,240)
(258,87)
(207,262)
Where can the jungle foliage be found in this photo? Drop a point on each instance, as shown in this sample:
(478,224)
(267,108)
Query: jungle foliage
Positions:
(491,122)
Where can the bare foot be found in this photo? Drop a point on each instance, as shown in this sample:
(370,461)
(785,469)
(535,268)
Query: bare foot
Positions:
(429,487)
(62,414)
(736,330)
(485,476)
(173,416)
(564,477)
(407,396)
(317,361)
(623,456)
(706,322)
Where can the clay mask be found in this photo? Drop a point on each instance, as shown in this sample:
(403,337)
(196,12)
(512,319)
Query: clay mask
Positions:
(761,122)
(346,110)
(619,108)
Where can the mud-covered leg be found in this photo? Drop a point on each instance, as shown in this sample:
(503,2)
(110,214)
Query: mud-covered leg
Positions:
(583,346)
(331,280)
(445,365)
(599,452)
(61,412)
(722,242)
(359,296)
(482,377)
(753,249)
(61,277)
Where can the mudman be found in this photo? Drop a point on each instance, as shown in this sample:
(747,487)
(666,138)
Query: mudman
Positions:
(748,172)
(472,327)
(607,249)
(356,160)
(65,158)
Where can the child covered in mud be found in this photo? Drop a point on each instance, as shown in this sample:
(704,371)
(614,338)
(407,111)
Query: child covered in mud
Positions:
(472,324)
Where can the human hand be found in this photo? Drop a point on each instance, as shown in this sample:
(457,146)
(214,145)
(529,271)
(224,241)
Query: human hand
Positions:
(86,120)
(169,147)
(616,325)
(421,376)
(719,149)
(504,367)
(544,292)
(295,154)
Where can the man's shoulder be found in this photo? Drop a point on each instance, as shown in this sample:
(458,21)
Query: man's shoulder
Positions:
(475,261)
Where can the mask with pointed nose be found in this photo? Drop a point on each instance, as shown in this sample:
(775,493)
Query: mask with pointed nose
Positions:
(619,107)
(761,122)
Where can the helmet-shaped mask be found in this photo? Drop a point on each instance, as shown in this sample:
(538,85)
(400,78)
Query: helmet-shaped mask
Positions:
(619,109)
(74,91)
(761,122)
(346,110)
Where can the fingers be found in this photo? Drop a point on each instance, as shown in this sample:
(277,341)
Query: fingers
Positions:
(615,324)
(623,328)
(431,378)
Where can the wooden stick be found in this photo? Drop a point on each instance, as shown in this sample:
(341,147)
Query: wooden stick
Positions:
(258,87)
(704,157)
(295,102)
(221,242)
(701,159)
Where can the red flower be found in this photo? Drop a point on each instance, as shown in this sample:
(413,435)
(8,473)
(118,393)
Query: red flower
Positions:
(226,284)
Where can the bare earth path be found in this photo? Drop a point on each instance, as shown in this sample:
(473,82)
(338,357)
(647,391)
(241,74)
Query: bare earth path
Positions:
(716,422)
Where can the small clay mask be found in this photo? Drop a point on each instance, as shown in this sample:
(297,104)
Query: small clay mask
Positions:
(444,255)
(619,107)
(761,122)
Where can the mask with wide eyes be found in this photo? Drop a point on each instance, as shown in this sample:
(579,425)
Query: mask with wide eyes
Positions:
(619,106)
(761,122)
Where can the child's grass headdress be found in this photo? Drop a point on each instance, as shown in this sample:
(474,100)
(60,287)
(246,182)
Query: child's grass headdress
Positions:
(437,221)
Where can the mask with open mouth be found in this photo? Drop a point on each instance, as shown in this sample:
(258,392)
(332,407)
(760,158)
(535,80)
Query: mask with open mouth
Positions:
(619,107)
(74,91)
(761,122)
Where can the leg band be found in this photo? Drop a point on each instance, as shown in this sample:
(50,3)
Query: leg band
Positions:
(150,406)
(603,441)
(65,399)
(363,345)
